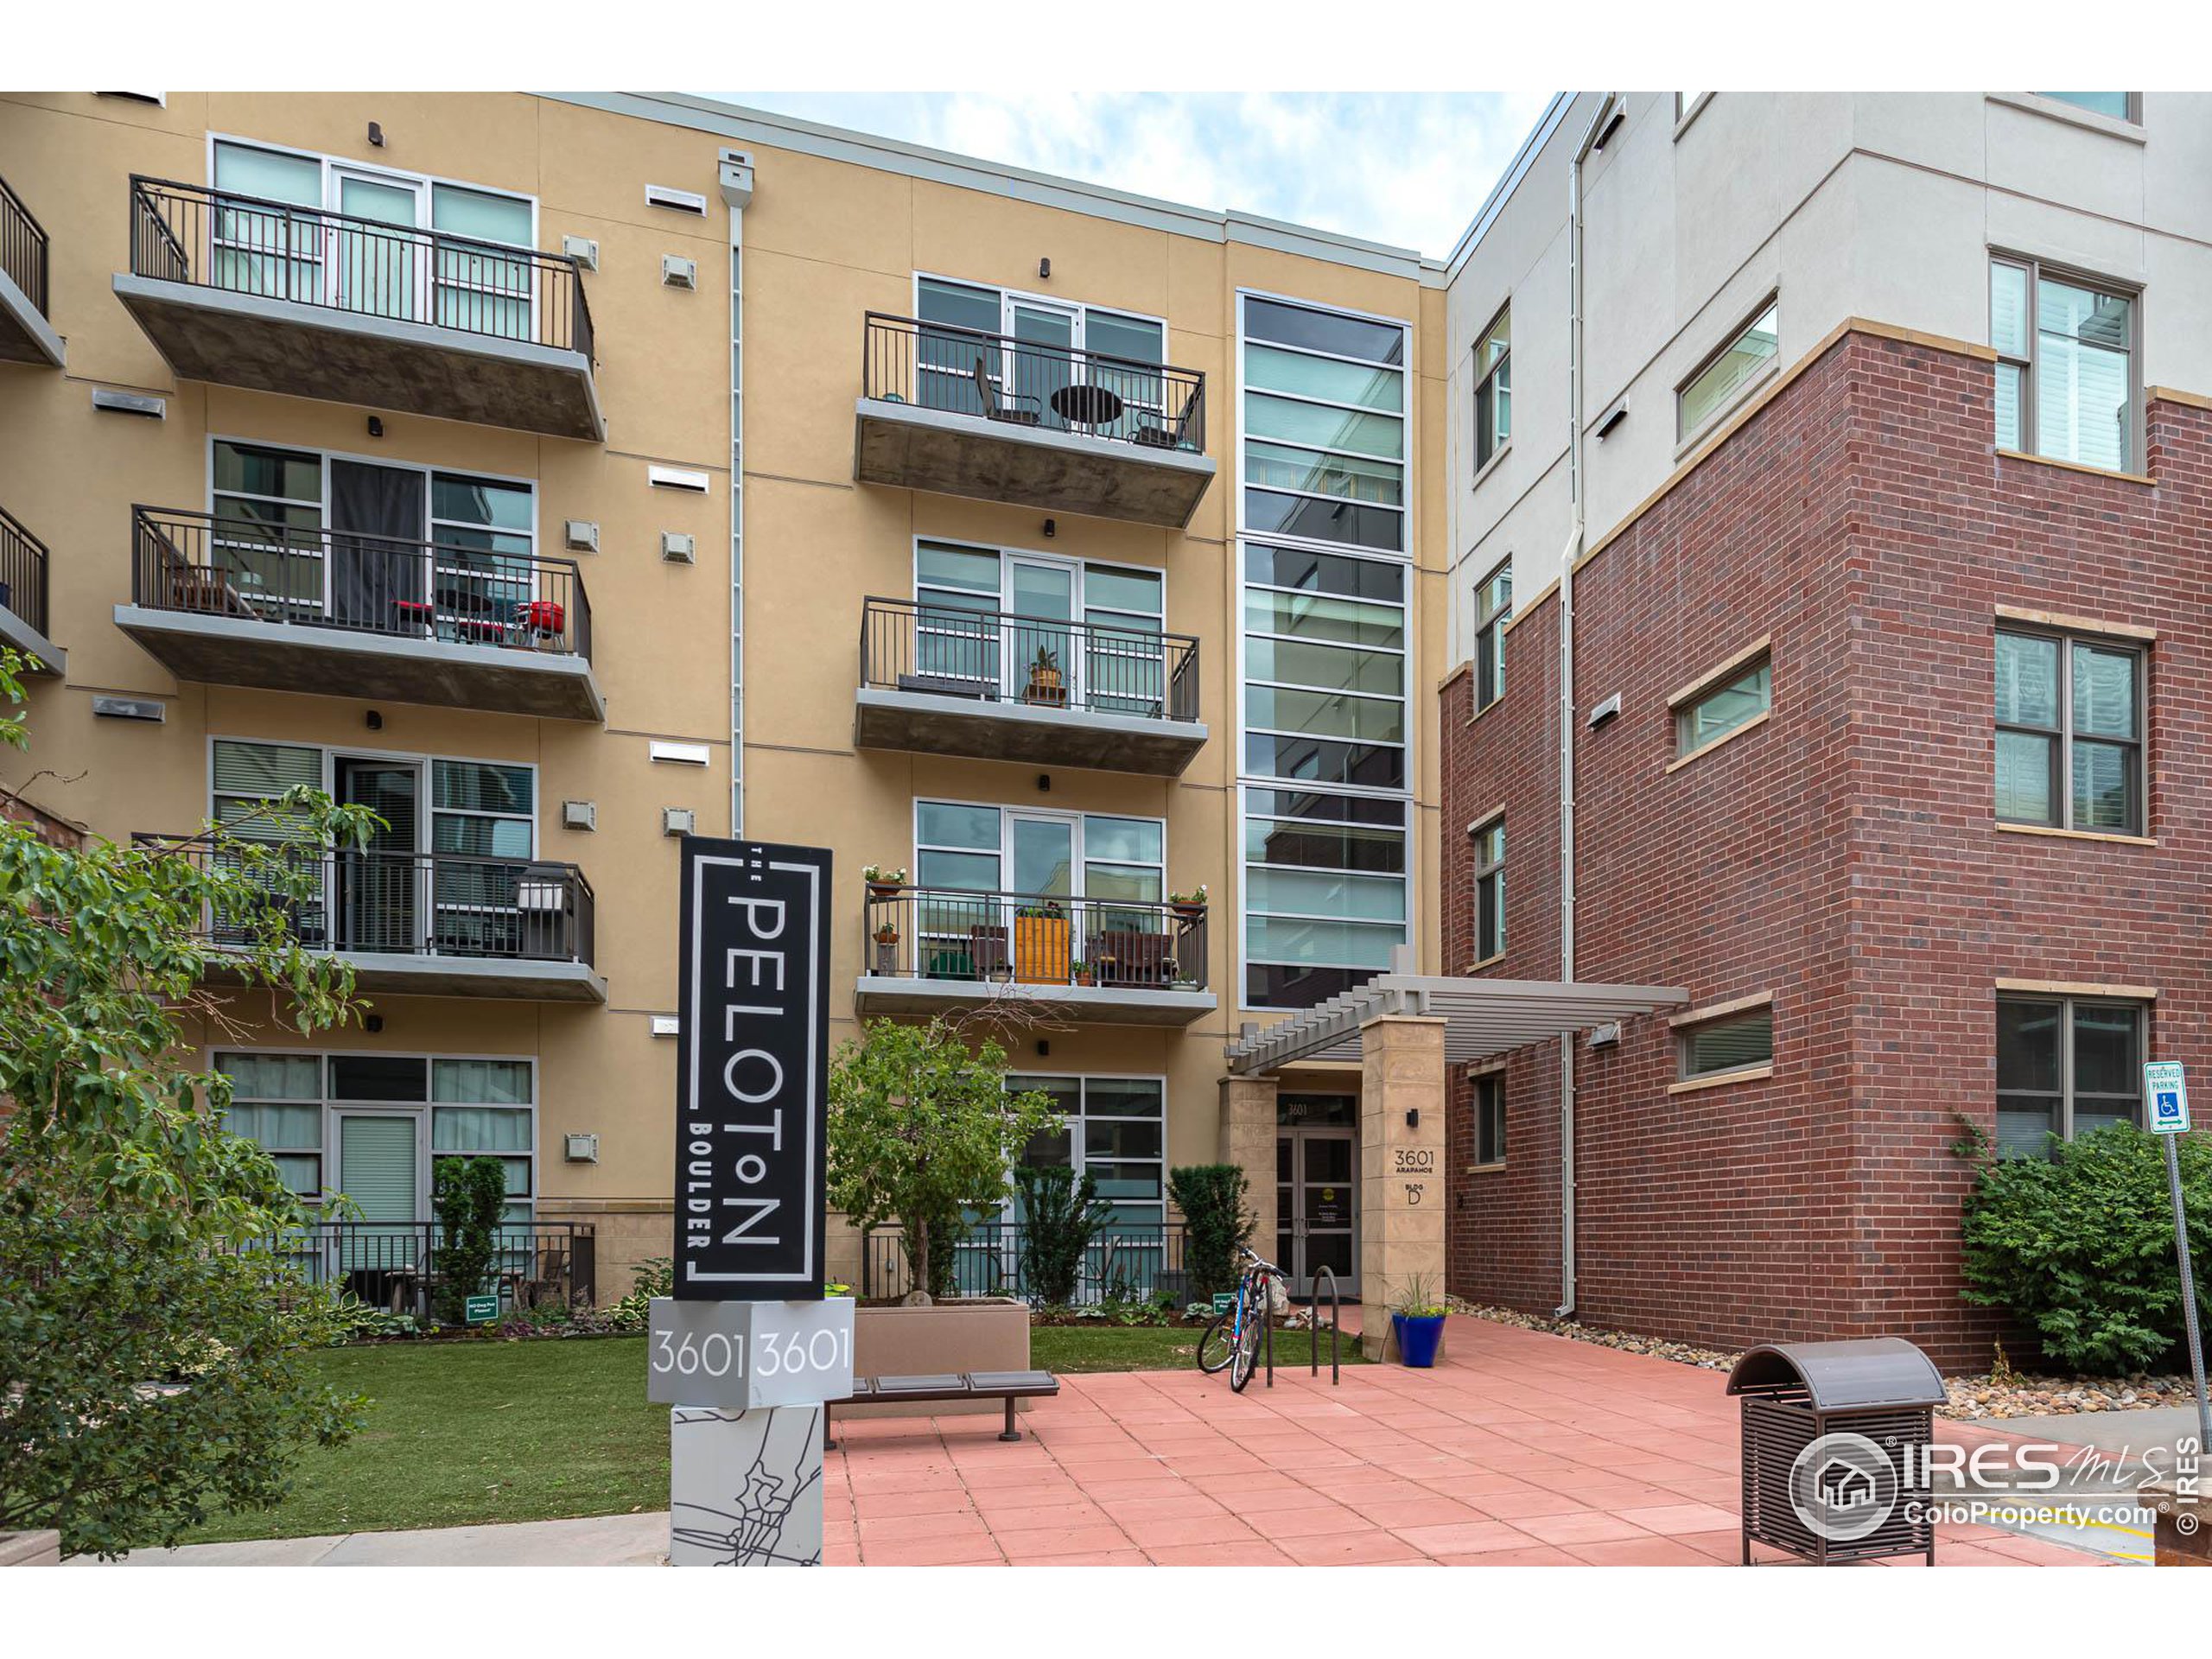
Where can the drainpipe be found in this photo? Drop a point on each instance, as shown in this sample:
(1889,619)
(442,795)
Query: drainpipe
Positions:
(1573,551)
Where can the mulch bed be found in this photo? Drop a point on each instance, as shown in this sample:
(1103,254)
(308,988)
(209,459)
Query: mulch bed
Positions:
(2016,1394)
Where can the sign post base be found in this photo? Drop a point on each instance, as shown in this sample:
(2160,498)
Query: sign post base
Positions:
(744,1488)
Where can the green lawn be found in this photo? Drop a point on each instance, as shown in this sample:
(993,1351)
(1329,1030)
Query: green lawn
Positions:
(459,1434)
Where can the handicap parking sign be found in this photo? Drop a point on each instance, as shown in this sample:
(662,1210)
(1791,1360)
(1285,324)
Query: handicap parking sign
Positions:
(2168,1096)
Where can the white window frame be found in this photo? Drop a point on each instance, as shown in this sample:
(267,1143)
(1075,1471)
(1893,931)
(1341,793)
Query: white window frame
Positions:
(1079,1157)
(1011,671)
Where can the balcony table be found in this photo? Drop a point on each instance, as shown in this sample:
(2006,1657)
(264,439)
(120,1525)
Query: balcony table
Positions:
(1087,405)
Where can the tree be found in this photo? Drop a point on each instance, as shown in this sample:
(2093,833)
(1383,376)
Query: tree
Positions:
(468,1195)
(1216,1225)
(922,1134)
(154,1352)
(1062,1218)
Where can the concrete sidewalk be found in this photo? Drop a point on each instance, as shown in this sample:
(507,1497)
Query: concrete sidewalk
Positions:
(595,1541)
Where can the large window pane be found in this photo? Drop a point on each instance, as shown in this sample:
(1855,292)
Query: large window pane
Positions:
(1733,1043)
(483,786)
(1313,472)
(1320,428)
(1137,338)
(2027,680)
(1355,897)
(2082,340)
(1135,591)
(2027,1047)
(1325,573)
(1324,377)
(940,823)
(492,1082)
(1324,331)
(2119,105)
(1328,714)
(1355,523)
(1722,710)
(1325,846)
(1350,944)
(1323,617)
(2104,787)
(1333,668)
(2104,692)
(1126,841)
(377,1077)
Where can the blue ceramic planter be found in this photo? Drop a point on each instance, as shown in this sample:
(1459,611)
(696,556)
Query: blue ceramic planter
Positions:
(1418,1337)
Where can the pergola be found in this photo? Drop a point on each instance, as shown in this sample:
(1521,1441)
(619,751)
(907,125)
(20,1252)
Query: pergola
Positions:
(1482,1017)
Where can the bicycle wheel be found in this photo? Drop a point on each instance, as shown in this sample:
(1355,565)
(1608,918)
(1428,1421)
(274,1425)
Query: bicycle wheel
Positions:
(1214,1347)
(1246,1359)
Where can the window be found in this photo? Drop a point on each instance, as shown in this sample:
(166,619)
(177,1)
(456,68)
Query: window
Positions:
(2121,106)
(1489,1118)
(2065,1066)
(1721,377)
(482,810)
(1493,609)
(1730,1043)
(268,531)
(984,614)
(277,1100)
(1048,335)
(1116,1132)
(1726,707)
(2069,732)
(1494,391)
(1489,890)
(1325,892)
(1324,668)
(2065,365)
(477,1108)
(1325,414)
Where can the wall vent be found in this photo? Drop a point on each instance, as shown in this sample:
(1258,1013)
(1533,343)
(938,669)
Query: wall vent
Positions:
(582,536)
(667,1024)
(679,478)
(683,754)
(579,815)
(131,403)
(584,250)
(580,1148)
(676,271)
(130,708)
(678,548)
(681,201)
(678,821)
(1605,710)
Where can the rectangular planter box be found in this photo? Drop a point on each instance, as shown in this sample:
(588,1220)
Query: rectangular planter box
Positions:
(978,1336)
(1041,950)
(44,1549)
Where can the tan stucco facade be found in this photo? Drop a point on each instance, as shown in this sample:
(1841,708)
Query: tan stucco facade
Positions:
(833,230)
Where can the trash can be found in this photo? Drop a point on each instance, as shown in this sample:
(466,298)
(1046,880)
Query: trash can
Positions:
(1835,1448)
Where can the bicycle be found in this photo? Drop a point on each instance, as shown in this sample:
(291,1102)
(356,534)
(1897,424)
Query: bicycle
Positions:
(1232,1341)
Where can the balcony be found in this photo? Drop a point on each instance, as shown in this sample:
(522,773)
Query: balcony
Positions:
(229,601)
(23,590)
(1110,962)
(25,335)
(394,1264)
(431,923)
(247,292)
(1002,419)
(938,680)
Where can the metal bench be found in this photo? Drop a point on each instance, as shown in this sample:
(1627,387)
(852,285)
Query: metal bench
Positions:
(1008,1386)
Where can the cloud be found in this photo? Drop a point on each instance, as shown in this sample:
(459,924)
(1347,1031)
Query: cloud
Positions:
(1408,169)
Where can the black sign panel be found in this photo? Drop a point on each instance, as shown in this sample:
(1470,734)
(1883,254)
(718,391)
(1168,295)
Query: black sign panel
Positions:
(751,1084)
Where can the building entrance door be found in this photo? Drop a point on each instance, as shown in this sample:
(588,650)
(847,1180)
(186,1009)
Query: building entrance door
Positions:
(1317,1206)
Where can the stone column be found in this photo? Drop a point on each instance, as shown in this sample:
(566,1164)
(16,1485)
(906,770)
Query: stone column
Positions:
(1402,1188)
(1248,1139)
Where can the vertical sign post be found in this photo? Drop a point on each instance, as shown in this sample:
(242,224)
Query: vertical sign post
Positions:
(748,1349)
(2167,1091)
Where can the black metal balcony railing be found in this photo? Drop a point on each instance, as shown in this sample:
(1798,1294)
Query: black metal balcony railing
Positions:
(1023,383)
(1129,1260)
(23,250)
(994,657)
(22,572)
(482,594)
(394,1264)
(313,256)
(416,904)
(1028,939)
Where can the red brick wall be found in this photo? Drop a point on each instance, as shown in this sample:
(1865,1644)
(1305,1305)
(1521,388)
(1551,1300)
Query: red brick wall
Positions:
(1842,856)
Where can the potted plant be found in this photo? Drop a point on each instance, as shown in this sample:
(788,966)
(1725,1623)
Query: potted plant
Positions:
(1190,905)
(1044,683)
(887,948)
(1081,972)
(1417,1322)
(881,882)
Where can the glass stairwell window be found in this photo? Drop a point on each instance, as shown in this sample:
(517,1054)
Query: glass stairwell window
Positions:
(1727,371)
(2066,365)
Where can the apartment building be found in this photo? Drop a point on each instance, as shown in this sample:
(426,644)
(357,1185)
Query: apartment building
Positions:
(553,475)
(1829,484)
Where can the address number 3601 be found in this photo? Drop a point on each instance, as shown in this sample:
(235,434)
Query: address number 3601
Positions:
(775,1353)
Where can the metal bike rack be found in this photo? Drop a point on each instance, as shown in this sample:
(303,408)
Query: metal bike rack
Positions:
(1313,1326)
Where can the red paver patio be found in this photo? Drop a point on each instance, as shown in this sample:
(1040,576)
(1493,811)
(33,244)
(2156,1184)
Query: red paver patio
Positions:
(1519,1449)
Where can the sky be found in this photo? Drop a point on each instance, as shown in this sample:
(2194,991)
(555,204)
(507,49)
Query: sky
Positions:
(1407,168)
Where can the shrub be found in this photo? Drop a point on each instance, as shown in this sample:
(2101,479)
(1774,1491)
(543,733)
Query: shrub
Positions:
(1062,1219)
(468,1195)
(1217,1223)
(2080,1247)
(654,1276)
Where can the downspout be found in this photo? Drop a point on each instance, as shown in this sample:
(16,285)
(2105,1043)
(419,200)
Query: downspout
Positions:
(1573,551)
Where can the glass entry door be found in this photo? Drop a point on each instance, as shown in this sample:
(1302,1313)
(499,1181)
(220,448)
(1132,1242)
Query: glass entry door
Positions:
(379,1168)
(1045,337)
(1317,1208)
(1042,851)
(379,897)
(1040,667)
(385,273)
